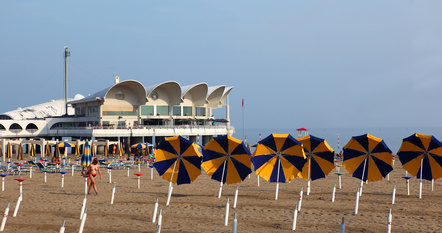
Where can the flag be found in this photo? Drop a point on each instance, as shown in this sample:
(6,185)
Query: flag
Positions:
(243,102)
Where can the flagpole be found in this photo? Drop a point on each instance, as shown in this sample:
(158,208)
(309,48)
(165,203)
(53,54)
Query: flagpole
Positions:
(243,130)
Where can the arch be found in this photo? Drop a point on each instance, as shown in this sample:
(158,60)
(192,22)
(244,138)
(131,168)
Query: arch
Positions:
(15,128)
(214,96)
(168,92)
(31,128)
(196,93)
(130,91)
(226,93)
(2,127)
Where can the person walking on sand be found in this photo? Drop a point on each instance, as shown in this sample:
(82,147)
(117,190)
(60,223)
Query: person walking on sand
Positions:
(92,171)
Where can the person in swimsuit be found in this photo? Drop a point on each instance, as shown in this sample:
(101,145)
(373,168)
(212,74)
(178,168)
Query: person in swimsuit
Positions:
(93,169)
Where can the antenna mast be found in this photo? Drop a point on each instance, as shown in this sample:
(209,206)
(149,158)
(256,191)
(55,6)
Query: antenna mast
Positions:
(67,54)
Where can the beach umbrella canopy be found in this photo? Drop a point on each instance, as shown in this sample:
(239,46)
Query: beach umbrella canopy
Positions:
(57,151)
(48,150)
(178,160)
(92,149)
(421,156)
(20,152)
(367,158)
(86,157)
(139,145)
(32,150)
(278,158)
(106,150)
(9,151)
(120,149)
(77,149)
(226,159)
(66,144)
(320,157)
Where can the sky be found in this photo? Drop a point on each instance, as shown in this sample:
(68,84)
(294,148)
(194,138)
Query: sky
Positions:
(295,63)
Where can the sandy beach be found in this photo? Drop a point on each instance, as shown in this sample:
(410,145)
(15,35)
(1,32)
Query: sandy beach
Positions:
(196,208)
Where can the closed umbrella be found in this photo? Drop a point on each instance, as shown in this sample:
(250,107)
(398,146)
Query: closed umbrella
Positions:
(20,152)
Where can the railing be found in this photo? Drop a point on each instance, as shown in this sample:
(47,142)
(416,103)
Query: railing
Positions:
(145,127)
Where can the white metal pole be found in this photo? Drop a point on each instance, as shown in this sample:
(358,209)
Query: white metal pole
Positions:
(389,222)
(235,224)
(357,202)
(226,216)
(334,193)
(309,170)
(362,178)
(295,218)
(5,217)
(17,206)
(300,199)
(222,179)
(155,209)
(83,207)
(236,198)
(420,180)
(408,187)
(393,197)
(83,220)
(62,228)
(113,194)
(160,220)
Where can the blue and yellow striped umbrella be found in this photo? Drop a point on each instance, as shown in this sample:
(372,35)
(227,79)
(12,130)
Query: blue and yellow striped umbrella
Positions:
(421,156)
(367,158)
(20,152)
(32,150)
(86,157)
(9,151)
(320,157)
(48,150)
(139,145)
(65,144)
(226,159)
(178,160)
(56,151)
(279,158)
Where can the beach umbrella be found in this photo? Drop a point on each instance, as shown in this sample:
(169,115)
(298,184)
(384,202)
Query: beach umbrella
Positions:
(120,149)
(66,144)
(9,151)
(32,150)
(178,160)
(421,156)
(367,158)
(86,157)
(227,160)
(139,145)
(48,150)
(106,150)
(92,149)
(278,158)
(77,149)
(20,152)
(320,158)
(57,151)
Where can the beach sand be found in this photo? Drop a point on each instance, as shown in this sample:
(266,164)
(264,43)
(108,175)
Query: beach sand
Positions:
(196,208)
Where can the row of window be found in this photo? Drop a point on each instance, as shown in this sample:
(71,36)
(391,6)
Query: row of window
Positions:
(160,111)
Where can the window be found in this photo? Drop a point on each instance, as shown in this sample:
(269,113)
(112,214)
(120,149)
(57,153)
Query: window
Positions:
(163,110)
(187,111)
(119,95)
(200,111)
(176,110)
(147,110)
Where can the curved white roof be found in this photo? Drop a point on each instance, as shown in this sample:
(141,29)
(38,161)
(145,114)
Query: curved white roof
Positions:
(198,93)
(53,108)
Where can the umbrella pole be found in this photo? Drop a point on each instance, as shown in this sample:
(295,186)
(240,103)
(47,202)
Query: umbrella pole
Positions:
(277,179)
(169,192)
(222,177)
(309,170)
(362,180)
(420,180)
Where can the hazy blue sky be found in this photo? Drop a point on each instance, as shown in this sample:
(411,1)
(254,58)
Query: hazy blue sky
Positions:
(296,63)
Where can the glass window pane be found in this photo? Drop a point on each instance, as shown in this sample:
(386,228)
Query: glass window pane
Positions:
(163,110)
(176,110)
